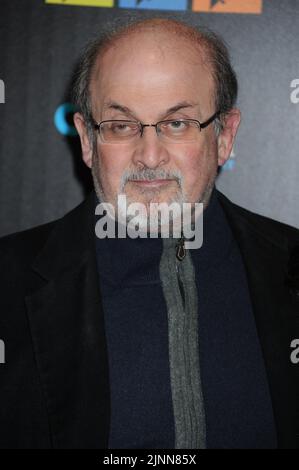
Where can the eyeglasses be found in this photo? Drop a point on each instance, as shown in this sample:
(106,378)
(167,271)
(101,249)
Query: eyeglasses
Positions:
(173,130)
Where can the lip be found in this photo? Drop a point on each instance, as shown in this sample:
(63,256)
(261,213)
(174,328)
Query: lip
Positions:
(152,183)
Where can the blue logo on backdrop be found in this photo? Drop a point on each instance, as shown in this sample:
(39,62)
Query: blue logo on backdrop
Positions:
(231,162)
(62,119)
(154,4)
(229,165)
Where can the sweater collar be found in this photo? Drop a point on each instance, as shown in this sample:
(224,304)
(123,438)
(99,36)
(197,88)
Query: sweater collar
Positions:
(127,261)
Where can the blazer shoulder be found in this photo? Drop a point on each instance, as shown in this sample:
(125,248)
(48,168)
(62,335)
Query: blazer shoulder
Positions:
(21,247)
(281,235)
(18,250)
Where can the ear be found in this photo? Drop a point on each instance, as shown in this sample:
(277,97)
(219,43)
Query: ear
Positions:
(227,135)
(85,143)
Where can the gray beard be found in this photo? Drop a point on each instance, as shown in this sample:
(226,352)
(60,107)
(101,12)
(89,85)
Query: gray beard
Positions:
(98,187)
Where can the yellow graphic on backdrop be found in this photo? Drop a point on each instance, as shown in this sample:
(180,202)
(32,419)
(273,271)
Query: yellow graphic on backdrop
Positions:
(84,3)
(228,6)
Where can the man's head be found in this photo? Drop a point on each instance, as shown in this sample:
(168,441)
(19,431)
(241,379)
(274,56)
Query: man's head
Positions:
(153,70)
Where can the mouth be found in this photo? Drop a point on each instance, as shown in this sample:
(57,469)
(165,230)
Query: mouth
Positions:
(152,183)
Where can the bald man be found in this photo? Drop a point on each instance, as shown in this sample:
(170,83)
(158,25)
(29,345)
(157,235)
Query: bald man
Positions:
(121,341)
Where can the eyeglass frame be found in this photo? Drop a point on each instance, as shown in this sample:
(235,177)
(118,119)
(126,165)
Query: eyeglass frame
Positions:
(201,125)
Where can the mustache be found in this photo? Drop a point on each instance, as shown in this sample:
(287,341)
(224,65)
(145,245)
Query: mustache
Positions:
(149,175)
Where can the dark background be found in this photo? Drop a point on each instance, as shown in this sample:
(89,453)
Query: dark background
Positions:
(41,173)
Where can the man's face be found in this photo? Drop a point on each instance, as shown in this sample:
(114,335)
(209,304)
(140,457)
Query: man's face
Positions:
(140,79)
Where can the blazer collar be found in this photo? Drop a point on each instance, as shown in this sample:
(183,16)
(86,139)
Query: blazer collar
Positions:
(67,327)
(69,243)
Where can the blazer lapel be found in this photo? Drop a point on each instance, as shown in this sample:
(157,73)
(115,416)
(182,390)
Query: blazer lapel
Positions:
(67,326)
(276,315)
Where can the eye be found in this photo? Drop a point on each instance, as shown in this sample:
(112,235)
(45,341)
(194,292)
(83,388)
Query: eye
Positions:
(177,125)
(122,128)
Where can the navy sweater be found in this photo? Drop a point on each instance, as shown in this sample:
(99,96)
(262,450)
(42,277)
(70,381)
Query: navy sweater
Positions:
(236,396)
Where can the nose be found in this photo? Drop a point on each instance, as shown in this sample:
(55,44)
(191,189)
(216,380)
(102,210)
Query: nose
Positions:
(149,150)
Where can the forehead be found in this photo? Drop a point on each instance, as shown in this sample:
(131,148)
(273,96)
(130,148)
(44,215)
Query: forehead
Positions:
(147,70)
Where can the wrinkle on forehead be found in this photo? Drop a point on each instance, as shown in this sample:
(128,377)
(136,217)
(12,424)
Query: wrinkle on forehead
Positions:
(151,45)
(167,37)
(149,49)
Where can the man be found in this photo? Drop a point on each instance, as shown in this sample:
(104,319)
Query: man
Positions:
(142,343)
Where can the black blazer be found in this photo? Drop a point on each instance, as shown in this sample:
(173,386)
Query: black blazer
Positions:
(54,386)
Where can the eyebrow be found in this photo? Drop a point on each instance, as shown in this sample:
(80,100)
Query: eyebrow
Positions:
(172,109)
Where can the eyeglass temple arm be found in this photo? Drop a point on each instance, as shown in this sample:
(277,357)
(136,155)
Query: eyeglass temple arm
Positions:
(95,124)
(211,119)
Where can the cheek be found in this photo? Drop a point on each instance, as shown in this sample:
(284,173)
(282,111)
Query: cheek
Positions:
(193,161)
(112,164)
(198,165)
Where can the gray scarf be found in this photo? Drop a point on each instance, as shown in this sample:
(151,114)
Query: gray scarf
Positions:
(179,289)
